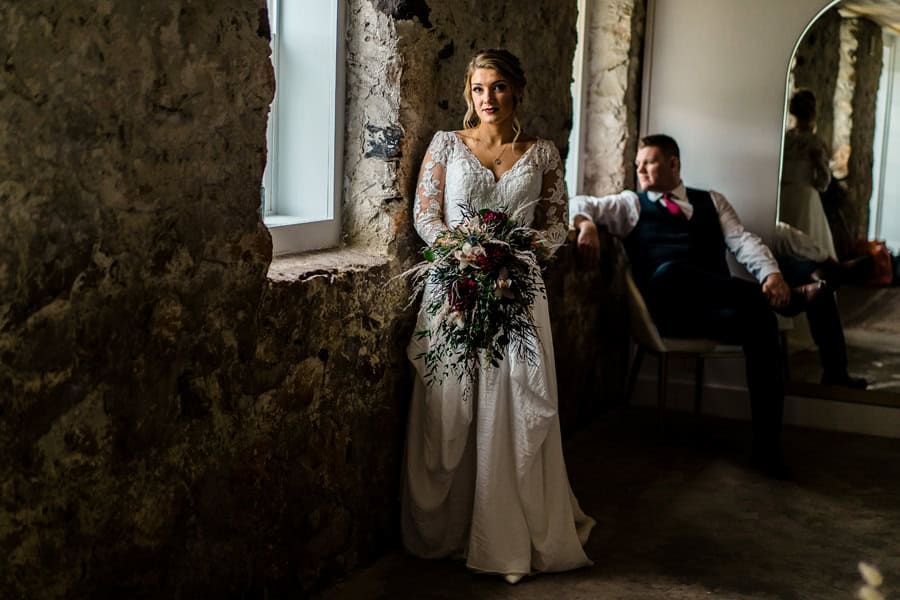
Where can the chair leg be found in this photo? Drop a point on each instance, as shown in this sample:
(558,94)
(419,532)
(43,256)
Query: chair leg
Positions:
(633,374)
(698,387)
(785,356)
(662,376)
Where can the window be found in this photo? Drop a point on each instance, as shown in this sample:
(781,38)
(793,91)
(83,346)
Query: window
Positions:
(884,207)
(301,185)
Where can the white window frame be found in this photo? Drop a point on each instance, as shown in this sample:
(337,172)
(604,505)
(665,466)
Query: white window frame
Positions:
(302,182)
(574,162)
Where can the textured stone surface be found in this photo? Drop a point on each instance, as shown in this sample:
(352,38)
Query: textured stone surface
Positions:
(614,43)
(816,68)
(173,422)
(862,40)
(405,81)
(133,265)
(590,333)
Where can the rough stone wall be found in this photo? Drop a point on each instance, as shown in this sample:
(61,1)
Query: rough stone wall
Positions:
(614,46)
(373,208)
(132,265)
(331,391)
(406,64)
(405,81)
(816,69)
(175,423)
(861,51)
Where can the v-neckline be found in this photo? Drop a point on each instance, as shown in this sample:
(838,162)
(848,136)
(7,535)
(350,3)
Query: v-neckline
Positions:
(488,170)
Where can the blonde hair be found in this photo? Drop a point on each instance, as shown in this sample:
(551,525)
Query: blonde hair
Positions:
(507,64)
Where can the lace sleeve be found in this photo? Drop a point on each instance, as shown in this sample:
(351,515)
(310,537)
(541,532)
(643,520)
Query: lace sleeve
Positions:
(428,209)
(550,214)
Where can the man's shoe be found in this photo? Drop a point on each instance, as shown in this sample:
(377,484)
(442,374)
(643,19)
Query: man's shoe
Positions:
(845,380)
(801,297)
(854,271)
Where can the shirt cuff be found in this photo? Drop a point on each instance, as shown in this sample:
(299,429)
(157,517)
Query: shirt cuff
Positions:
(587,216)
(766,271)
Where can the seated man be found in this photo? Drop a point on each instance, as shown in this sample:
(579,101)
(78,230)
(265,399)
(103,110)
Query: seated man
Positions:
(802,261)
(676,239)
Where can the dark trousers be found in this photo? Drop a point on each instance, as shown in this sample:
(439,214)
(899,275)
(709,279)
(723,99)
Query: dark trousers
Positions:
(686,301)
(823,316)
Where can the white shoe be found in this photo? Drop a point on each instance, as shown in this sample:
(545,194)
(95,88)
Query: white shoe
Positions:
(512,579)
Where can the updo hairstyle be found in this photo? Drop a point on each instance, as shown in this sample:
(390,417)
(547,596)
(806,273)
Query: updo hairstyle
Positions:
(803,105)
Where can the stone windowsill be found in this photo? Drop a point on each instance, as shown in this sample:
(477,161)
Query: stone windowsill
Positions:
(306,265)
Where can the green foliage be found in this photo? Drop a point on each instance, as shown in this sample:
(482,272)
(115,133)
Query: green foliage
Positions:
(482,278)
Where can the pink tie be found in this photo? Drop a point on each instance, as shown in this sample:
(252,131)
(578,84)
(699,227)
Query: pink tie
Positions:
(671,204)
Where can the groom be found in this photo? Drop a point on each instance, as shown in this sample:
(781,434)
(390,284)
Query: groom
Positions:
(676,238)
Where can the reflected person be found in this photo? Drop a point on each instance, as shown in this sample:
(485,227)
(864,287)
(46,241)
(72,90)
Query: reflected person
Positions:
(803,261)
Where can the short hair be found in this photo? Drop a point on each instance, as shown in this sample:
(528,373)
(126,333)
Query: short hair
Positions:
(803,105)
(665,143)
(504,62)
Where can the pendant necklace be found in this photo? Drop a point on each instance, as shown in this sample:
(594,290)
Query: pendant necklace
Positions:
(497,160)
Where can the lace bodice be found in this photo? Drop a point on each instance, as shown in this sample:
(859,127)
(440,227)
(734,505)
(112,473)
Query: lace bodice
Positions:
(533,190)
(805,160)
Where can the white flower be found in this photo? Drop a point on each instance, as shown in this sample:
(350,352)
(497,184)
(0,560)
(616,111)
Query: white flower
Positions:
(471,225)
(869,593)
(467,254)
(503,284)
(870,574)
(458,319)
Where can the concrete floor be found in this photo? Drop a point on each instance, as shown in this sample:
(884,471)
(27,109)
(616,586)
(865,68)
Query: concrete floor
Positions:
(684,517)
(871,319)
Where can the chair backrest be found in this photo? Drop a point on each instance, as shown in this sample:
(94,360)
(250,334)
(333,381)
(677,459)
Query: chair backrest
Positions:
(643,330)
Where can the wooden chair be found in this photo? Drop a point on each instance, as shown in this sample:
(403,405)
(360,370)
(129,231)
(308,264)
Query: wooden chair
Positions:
(647,339)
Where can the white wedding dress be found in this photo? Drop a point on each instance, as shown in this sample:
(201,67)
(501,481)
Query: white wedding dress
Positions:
(485,478)
(804,173)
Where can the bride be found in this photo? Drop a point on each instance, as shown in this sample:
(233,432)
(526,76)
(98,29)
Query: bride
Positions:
(805,173)
(485,478)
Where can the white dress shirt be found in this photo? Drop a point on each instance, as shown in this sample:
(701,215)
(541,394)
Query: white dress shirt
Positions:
(621,212)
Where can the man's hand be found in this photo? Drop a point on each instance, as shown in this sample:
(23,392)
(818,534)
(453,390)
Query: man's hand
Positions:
(588,240)
(776,290)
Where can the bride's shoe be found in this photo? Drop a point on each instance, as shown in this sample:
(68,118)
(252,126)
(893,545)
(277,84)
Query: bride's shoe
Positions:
(512,579)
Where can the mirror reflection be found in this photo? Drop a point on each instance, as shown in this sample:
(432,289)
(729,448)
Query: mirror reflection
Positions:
(839,204)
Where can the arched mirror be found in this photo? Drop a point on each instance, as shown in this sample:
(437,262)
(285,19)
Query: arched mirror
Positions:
(839,202)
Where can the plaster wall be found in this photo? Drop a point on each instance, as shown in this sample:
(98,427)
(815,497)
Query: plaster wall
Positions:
(717,75)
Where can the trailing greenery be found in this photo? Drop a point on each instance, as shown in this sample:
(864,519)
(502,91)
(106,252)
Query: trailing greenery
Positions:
(481,280)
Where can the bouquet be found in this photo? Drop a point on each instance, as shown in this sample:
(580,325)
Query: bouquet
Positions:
(484,277)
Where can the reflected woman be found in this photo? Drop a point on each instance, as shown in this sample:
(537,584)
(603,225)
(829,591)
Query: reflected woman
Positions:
(805,173)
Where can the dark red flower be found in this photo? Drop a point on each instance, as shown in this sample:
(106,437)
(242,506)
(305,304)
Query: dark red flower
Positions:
(463,294)
(494,256)
(489,217)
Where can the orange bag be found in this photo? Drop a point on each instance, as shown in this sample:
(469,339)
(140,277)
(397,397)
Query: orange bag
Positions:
(882,268)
